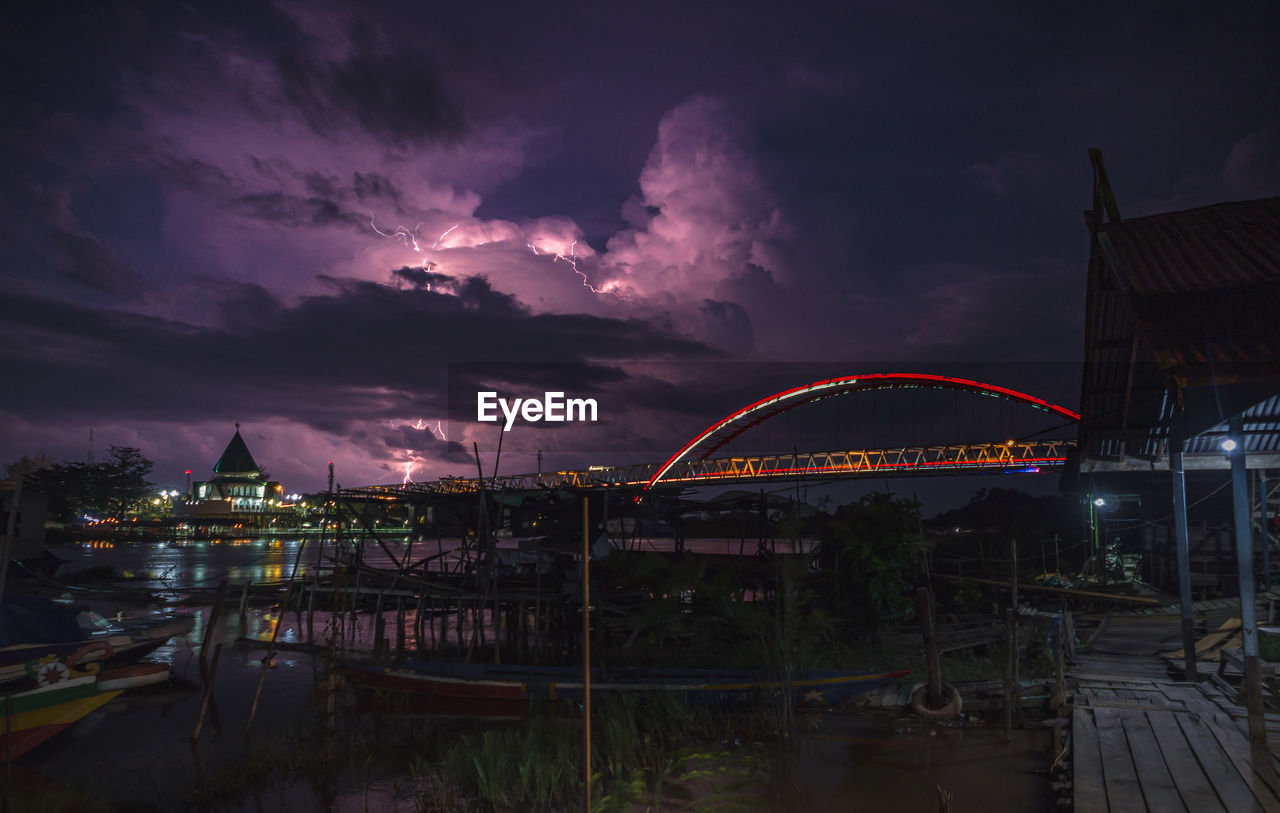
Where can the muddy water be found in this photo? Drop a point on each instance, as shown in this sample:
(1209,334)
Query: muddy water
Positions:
(882,763)
(137,750)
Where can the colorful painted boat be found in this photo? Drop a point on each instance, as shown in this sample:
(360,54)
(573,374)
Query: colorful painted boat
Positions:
(33,626)
(133,676)
(31,717)
(524,683)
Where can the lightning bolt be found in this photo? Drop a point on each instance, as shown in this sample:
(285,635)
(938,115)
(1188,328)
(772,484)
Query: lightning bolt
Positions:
(572,260)
(409,466)
(409,239)
(447,231)
(437,430)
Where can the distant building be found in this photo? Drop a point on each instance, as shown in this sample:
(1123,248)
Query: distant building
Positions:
(238,485)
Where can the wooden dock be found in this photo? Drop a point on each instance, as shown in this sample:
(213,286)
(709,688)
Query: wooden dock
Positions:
(1142,740)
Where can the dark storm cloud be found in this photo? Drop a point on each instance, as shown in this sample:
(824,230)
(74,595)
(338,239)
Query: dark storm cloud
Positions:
(374,187)
(365,352)
(292,210)
(396,95)
(93,265)
(423,278)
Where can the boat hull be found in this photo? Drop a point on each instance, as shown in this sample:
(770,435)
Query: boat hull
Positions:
(526,683)
(30,718)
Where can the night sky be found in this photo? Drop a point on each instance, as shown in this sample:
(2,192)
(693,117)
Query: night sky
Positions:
(294,215)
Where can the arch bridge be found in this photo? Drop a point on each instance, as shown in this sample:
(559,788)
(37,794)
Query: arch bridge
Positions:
(693,464)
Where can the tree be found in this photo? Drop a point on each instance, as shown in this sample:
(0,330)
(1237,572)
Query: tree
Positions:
(878,549)
(27,465)
(106,489)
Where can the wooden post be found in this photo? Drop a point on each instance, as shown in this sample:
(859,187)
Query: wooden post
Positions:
(924,607)
(1008,675)
(586,652)
(209,625)
(275,633)
(244,604)
(1248,601)
(1059,698)
(208,692)
(1013,578)
(537,611)
(1017,677)
(311,613)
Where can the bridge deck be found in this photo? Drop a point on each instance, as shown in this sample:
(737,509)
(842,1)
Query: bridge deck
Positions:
(1142,741)
(907,461)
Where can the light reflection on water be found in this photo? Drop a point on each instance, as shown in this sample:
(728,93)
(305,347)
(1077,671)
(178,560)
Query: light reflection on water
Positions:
(138,748)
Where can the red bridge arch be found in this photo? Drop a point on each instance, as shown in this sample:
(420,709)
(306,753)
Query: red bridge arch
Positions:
(729,427)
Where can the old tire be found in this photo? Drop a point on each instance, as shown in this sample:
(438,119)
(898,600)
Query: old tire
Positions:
(950,709)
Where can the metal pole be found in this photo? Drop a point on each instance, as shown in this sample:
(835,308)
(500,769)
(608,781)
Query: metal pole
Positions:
(1248,598)
(1184,560)
(586,652)
(1266,532)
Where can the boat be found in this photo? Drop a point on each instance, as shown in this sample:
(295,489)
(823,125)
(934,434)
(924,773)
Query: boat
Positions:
(525,683)
(34,626)
(133,676)
(62,697)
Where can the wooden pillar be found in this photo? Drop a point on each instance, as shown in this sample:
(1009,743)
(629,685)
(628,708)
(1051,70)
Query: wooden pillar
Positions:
(924,608)
(1184,560)
(1248,596)
(1010,656)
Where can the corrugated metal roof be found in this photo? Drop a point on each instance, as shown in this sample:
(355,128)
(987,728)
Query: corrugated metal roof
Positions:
(1184,300)
(1227,245)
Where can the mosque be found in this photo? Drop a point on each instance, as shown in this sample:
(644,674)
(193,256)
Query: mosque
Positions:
(239,485)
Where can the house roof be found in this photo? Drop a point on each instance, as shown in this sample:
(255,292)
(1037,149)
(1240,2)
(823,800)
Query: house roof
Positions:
(236,458)
(1181,327)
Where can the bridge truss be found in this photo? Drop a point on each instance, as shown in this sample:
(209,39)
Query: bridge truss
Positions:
(907,461)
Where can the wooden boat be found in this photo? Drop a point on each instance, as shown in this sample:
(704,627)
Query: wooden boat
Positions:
(133,676)
(524,683)
(31,717)
(31,627)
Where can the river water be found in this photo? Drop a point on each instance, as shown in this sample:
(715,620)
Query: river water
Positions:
(138,751)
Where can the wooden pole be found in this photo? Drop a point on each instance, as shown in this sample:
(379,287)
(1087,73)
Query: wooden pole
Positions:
(1017,677)
(275,633)
(244,603)
(924,607)
(1248,601)
(1008,675)
(209,625)
(586,652)
(1059,698)
(208,693)
(1182,543)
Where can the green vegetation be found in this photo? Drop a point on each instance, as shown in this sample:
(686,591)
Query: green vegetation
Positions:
(644,750)
(101,490)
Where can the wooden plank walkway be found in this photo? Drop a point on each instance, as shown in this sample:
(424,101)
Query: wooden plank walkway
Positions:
(1142,740)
